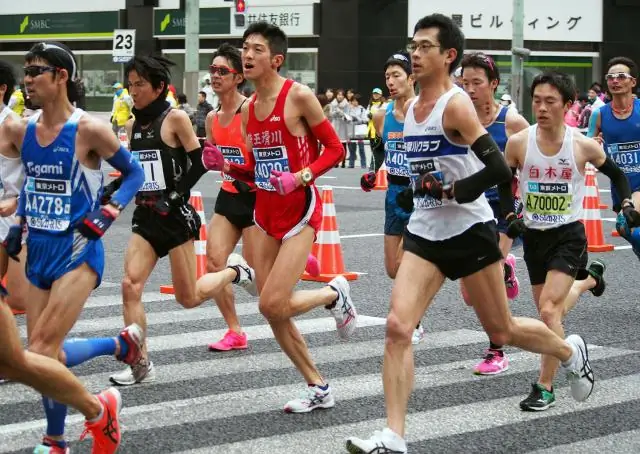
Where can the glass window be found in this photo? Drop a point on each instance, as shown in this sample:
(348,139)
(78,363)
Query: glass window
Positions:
(99,73)
(302,67)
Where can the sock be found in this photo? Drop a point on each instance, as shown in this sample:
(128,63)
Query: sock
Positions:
(574,356)
(78,351)
(56,414)
(46,441)
(493,346)
(332,305)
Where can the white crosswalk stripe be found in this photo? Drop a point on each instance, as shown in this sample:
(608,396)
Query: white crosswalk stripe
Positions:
(204,402)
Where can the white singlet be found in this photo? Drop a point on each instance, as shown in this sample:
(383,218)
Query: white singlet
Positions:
(430,150)
(552,187)
(11,177)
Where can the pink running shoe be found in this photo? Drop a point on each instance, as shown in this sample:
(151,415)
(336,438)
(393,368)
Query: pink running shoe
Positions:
(313,266)
(494,362)
(510,279)
(230,341)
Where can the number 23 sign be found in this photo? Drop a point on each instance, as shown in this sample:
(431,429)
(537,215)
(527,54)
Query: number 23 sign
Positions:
(124,45)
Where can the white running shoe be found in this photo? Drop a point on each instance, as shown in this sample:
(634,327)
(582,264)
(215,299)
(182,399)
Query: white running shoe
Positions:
(142,372)
(344,311)
(382,442)
(313,397)
(579,374)
(418,335)
(246,276)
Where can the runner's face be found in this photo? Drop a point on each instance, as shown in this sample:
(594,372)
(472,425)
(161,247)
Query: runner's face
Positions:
(43,81)
(257,59)
(548,107)
(223,84)
(476,83)
(397,81)
(427,58)
(141,91)
(623,83)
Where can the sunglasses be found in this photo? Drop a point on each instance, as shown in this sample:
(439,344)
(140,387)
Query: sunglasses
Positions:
(622,76)
(222,70)
(36,70)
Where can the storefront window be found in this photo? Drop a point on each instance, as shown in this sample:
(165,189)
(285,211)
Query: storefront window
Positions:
(99,73)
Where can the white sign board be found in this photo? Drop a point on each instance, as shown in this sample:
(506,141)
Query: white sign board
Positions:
(124,45)
(294,20)
(544,20)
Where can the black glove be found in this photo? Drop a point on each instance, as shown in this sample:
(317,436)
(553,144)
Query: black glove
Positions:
(404,200)
(368,181)
(631,215)
(192,219)
(94,225)
(109,190)
(13,242)
(427,184)
(515,226)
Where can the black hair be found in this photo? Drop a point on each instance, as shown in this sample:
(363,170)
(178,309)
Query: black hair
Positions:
(233,56)
(560,81)
(153,68)
(8,78)
(182,98)
(274,35)
(583,97)
(59,56)
(449,35)
(401,59)
(633,68)
(204,94)
(482,61)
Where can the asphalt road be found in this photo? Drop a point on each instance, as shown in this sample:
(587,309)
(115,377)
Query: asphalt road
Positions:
(204,402)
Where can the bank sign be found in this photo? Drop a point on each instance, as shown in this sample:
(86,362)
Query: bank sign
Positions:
(544,20)
(58,26)
(171,22)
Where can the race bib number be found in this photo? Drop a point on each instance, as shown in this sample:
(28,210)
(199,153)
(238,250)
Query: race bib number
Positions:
(549,203)
(231,154)
(268,159)
(151,163)
(48,204)
(420,166)
(396,158)
(626,156)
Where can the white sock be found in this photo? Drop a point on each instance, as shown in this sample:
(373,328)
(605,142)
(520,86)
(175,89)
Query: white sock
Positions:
(574,357)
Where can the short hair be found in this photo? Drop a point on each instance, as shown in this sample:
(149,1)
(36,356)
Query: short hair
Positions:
(233,56)
(482,61)
(182,98)
(60,56)
(633,68)
(203,94)
(449,35)
(559,80)
(8,78)
(153,68)
(274,35)
(401,59)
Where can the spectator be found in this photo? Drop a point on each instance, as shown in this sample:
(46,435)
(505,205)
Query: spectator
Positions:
(203,109)
(340,119)
(183,104)
(359,120)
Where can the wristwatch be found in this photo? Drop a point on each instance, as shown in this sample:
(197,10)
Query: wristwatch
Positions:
(116,205)
(306,175)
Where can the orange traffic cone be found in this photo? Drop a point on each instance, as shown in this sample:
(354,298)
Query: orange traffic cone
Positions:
(200,245)
(327,248)
(381,179)
(591,216)
(603,206)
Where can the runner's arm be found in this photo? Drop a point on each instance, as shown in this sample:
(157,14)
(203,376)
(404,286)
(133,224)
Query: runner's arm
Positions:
(512,151)
(243,172)
(594,124)
(377,151)
(598,158)
(183,129)
(208,121)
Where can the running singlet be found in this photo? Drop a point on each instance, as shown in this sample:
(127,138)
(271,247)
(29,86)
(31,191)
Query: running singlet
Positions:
(498,131)
(394,152)
(231,143)
(163,165)
(11,170)
(58,189)
(622,142)
(552,187)
(429,150)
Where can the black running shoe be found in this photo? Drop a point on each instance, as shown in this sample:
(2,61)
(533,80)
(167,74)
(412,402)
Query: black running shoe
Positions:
(596,270)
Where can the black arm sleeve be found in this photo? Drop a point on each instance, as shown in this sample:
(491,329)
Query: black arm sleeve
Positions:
(377,152)
(617,177)
(495,171)
(194,173)
(505,194)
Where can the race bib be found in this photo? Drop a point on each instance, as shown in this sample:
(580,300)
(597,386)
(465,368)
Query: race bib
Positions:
(231,154)
(548,203)
(626,155)
(48,204)
(396,158)
(268,159)
(418,167)
(151,163)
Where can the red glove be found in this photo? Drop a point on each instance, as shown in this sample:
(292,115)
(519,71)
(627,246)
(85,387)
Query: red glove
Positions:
(368,181)
(212,158)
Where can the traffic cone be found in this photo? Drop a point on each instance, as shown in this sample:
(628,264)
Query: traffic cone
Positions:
(381,179)
(591,215)
(588,165)
(327,248)
(200,245)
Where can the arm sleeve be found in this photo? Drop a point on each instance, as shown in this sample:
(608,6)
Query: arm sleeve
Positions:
(505,194)
(377,151)
(333,150)
(593,119)
(194,173)
(495,171)
(132,175)
(617,177)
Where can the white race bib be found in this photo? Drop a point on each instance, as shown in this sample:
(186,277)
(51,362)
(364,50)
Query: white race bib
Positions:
(48,204)
(418,167)
(151,163)
(231,154)
(268,159)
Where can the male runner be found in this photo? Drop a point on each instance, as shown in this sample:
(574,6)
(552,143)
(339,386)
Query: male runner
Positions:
(390,121)
(551,158)
(480,80)
(62,148)
(452,232)
(11,178)
(619,124)
(164,223)
(51,378)
(284,122)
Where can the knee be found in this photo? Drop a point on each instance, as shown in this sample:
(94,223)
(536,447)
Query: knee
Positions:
(271,306)
(398,331)
(187,300)
(45,342)
(132,288)
(215,263)
(550,313)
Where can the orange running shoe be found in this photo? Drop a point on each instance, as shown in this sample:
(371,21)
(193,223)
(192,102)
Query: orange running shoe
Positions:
(106,432)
